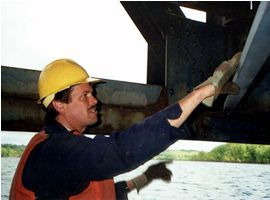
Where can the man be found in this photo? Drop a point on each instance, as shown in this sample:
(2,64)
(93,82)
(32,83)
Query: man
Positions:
(61,163)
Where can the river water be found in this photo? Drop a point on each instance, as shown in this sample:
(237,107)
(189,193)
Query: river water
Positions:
(191,181)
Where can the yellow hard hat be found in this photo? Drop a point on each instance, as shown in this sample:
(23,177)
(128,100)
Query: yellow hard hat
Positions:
(58,76)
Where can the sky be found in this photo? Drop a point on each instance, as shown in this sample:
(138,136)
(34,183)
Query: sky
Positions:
(99,35)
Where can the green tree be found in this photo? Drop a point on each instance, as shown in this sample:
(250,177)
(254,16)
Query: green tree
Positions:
(11,150)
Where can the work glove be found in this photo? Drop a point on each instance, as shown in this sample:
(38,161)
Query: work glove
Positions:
(156,171)
(159,171)
(220,79)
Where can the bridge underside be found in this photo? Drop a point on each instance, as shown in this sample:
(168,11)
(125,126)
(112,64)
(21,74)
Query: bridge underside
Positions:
(181,54)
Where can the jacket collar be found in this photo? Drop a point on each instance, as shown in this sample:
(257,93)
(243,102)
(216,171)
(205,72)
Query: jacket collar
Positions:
(55,128)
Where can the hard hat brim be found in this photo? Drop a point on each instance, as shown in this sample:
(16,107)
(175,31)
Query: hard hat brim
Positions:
(93,80)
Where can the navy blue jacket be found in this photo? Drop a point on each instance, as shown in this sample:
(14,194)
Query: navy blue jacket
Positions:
(64,164)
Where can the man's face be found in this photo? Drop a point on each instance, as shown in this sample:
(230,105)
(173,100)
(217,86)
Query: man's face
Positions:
(81,110)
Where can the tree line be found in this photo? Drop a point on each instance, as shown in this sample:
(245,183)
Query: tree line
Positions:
(240,153)
(231,152)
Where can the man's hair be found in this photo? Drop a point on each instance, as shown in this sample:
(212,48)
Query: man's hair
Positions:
(64,97)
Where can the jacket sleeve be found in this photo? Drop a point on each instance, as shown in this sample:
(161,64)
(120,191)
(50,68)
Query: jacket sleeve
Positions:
(105,157)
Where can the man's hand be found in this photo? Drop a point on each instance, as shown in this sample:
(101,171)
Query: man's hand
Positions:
(159,171)
(220,78)
(156,171)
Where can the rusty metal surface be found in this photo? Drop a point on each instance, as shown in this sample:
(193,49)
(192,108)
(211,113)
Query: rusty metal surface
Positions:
(194,50)
(22,83)
(123,104)
(235,127)
(127,94)
(27,115)
(16,82)
(21,114)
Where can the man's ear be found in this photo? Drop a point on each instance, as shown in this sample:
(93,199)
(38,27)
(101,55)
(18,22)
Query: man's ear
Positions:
(58,106)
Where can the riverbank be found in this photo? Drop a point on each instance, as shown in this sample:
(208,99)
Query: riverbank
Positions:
(233,153)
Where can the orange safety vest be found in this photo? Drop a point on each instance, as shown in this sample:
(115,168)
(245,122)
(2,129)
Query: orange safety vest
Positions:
(97,190)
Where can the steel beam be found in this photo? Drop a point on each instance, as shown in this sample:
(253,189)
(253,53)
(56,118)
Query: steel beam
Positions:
(123,104)
(234,127)
(255,53)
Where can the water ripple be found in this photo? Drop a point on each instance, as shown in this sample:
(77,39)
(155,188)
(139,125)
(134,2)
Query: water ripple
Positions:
(191,181)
